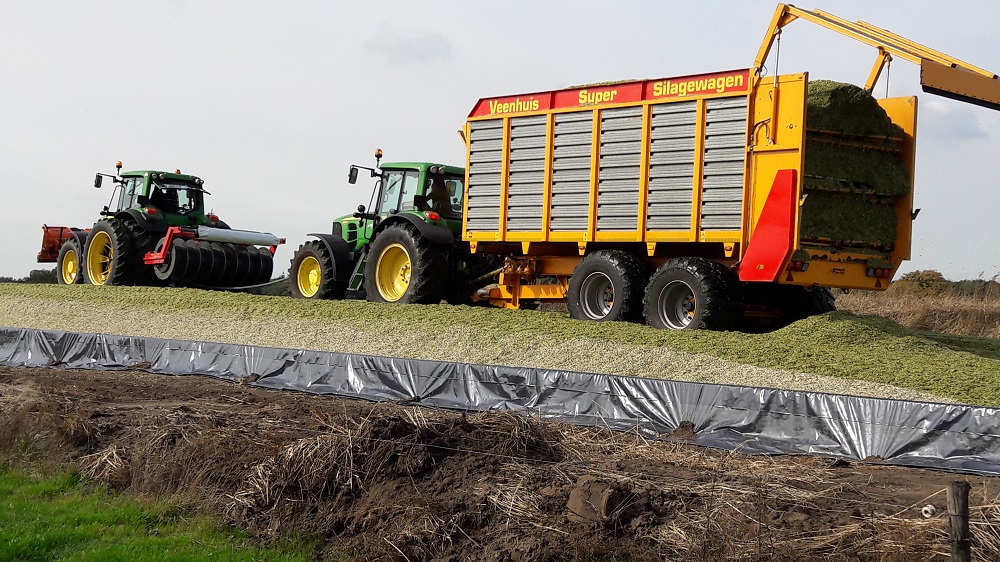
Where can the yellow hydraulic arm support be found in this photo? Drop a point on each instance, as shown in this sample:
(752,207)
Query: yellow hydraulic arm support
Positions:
(939,73)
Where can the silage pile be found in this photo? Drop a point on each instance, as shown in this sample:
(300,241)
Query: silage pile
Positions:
(853,169)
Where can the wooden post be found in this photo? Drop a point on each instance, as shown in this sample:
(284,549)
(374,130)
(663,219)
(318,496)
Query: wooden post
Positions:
(958,516)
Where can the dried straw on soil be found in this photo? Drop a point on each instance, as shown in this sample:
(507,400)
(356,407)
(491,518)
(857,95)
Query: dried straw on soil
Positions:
(391,483)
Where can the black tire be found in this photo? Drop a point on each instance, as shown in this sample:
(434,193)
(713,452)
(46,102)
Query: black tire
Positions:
(692,293)
(255,265)
(785,304)
(312,274)
(266,266)
(467,270)
(606,286)
(404,267)
(242,274)
(111,258)
(143,242)
(69,264)
(803,302)
(228,253)
(172,270)
(204,276)
(820,300)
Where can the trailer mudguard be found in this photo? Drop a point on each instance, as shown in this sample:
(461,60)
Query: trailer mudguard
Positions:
(343,262)
(436,234)
(773,240)
(149,224)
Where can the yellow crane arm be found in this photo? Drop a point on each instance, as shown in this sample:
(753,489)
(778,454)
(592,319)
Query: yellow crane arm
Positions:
(939,73)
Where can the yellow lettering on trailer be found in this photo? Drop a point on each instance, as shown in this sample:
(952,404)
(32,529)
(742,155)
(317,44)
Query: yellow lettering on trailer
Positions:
(718,85)
(591,98)
(516,106)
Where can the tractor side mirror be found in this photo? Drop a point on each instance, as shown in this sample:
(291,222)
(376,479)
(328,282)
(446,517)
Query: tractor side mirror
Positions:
(98,180)
(352,175)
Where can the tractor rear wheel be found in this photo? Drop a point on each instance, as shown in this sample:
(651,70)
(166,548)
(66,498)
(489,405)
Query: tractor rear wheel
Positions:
(692,293)
(607,285)
(312,272)
(111,257)
(68,270)
(403,267)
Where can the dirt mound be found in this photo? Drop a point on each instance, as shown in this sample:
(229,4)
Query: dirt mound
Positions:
(393,482)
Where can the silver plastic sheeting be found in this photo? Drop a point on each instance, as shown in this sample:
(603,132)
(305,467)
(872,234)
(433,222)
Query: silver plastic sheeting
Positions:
(751,420)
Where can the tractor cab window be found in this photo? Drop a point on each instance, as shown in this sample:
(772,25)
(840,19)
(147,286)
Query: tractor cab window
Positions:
(131,189)
(398,190)
(175,197)
(444,195)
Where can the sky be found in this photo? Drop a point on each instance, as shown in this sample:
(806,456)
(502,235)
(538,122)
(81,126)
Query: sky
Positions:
(271,102)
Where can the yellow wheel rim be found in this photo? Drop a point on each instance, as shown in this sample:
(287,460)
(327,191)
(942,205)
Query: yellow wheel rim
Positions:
(392,272)
(100,256)
(309,277)
(70,267)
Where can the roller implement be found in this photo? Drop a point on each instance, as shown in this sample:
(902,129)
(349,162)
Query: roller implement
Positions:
(733,199)
(159,233)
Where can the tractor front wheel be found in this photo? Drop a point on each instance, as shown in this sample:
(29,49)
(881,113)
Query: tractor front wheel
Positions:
(403,267)
(312,274)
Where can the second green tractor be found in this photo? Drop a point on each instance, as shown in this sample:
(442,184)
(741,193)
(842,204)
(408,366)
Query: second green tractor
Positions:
(406,248)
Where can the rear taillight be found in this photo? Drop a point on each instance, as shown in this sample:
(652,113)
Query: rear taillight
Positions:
(879,272)
(213,217)
(150,210)
(798,266)
(431,215)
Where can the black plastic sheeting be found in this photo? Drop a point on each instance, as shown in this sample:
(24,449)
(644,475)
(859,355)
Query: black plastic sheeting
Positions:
(752,420)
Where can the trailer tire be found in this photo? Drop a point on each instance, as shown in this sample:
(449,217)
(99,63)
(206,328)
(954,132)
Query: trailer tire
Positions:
(69,270)
(784,304)
(404,267)
(607,286)
(692,293)
(110,255)
(312,272)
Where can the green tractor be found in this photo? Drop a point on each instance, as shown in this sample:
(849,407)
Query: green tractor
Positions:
(406,249)
(157,233)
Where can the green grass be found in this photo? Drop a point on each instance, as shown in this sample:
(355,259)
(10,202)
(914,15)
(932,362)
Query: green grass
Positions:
(59,517)
(966,369)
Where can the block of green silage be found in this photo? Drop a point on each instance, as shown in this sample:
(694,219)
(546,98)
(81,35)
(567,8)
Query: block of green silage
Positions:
(846,108)
(847,218)
(853,171)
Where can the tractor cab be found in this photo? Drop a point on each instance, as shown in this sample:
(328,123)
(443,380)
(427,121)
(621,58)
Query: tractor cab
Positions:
(429,193)
(176,199)
(427,189)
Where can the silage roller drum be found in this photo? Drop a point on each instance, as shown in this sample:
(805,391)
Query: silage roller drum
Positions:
(201,263)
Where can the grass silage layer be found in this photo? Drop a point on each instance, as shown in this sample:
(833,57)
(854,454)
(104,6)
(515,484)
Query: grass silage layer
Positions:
(837,353)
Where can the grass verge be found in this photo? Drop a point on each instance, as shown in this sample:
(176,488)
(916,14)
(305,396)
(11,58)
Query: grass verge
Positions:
(60,517)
